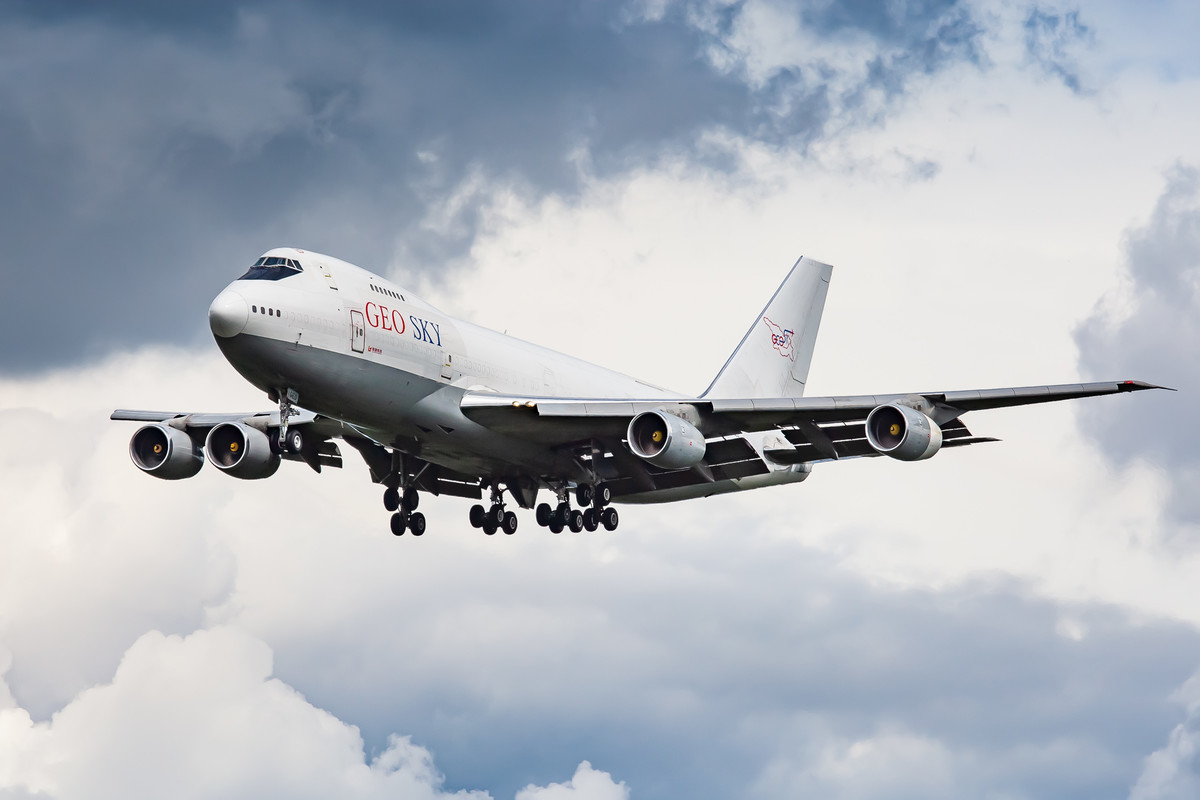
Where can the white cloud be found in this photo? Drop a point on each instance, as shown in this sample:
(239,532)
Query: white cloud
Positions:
(1173,772)
(586,784)
(974,279)
(200,717)
(892,765)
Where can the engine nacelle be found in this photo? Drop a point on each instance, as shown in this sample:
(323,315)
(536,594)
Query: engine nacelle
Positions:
(241,451)
(665,440)
(165,452)
(902,432)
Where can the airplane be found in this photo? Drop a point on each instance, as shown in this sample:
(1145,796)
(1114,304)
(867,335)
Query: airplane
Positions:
(440,406)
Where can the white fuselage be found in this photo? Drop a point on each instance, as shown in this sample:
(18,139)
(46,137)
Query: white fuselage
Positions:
(357,348)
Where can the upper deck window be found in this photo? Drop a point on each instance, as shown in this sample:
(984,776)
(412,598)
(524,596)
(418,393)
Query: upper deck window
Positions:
(272,268)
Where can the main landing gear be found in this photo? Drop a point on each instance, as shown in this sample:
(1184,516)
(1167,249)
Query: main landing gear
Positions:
(597,512)
(495,518)
(403,500)
(403,506)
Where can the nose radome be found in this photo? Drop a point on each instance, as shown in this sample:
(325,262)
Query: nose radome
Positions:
(228,314)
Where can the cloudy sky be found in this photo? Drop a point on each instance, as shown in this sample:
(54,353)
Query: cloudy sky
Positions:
(1010,192)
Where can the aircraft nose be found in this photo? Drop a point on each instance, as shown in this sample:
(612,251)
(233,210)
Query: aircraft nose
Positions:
(228,314)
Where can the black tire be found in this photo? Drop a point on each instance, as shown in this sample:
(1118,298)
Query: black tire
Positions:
(416,523)
(543,515)
(411,499)
(555,526)
(391,499)
(489,527)
(576,521)
(591,520)
(295,441)
(603,495)
(496,516)
(563,513)
(399,524)
(510,523)
(584,494)
(478,516)
(609,519)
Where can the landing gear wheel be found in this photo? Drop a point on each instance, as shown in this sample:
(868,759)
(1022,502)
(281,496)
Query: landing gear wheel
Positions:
(609,519)
(489,527)
(584,494)
(543,515)
(295,441)
(509,526)
(563,514)
(555,526)
(496,516)
(416,523)
(591,521)
(576,521)
(391,499)
(603,495)
(410,499)
(399,524)
(478,516)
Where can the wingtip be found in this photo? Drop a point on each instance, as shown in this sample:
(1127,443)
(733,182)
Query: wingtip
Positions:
(1136,386)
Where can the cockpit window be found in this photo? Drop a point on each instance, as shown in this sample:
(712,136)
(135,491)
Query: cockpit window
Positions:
(272,268)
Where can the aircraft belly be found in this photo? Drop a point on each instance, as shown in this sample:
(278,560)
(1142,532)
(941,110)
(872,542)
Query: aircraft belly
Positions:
(395,406)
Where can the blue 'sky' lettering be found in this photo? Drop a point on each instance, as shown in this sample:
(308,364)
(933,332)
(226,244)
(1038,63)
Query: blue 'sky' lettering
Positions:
(420,330)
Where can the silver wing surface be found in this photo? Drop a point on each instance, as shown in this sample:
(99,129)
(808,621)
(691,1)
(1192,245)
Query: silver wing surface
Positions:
(825,427)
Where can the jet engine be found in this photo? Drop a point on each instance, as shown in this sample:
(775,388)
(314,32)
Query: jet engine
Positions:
(902,432)
(241,451)
(165,452)
(665,440)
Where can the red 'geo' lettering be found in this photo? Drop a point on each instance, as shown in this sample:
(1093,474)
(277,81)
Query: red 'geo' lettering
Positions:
(380,316)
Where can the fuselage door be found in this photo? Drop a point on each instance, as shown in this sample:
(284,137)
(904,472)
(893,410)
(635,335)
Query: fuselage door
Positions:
(358,332)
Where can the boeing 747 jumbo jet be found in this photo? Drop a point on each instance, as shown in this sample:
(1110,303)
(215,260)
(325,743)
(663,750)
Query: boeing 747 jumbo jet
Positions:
(439,406)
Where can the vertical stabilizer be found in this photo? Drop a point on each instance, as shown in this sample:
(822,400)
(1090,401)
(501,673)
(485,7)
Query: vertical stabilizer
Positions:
(773,357)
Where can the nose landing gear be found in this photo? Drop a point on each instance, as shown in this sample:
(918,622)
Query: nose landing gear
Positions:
(295,442)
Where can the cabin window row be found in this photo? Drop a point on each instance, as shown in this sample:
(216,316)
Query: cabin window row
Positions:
(388,292)
(270,312)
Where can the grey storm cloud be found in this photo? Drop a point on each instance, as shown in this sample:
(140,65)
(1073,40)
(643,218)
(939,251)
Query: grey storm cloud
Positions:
(1150,329)
(758,676)
(149,151)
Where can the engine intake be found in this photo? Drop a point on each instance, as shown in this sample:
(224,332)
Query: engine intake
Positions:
(165,452)
(665,440)
(902,432)
(241,451)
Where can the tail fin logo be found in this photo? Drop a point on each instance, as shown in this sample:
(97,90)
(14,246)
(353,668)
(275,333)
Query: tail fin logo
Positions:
(782,339)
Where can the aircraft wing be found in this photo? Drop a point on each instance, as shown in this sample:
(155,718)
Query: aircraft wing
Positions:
(818,427)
